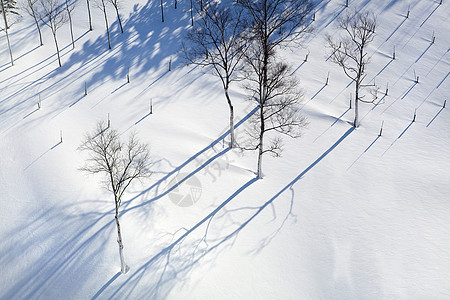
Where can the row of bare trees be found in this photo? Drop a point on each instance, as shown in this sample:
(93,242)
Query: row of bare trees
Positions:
(55,14)
(240,42)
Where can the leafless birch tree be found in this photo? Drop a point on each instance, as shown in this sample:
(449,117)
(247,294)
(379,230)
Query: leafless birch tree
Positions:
(69,8)
(279,113)
(272,24)
(350,51)
(217,43)
(53,14)
(116,4)
(102,5)
(120,163)
(6,7)
(30,8)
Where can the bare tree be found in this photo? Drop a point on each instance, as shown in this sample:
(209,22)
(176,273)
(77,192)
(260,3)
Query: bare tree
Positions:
(116,4)
(349,50)
(121,163)
(53,14)
(29,8)
(279,113)
(89,14)
(272,24)
(102,6)
(69,8)
(217,42)
(7,6)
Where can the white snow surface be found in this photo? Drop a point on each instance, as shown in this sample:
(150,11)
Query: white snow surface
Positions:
(343,214)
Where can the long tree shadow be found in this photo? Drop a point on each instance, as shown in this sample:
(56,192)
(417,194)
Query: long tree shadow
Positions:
(332,124)
(164,263)
(171,264)
(144,47)
(177,169)
(57,243)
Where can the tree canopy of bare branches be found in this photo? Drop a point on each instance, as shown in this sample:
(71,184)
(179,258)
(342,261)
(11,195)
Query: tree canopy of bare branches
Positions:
(120,163)
(270,25)
(53,15)
(350,50)
(216,42)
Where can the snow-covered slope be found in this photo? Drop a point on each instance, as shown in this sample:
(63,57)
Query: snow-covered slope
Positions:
(342,214)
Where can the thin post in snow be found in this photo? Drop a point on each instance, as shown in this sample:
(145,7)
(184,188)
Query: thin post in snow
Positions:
(328,76)
(387,88)
(440,2)
(306,57)
(351,96)
(407,14)
(192,15)
(433,38)
(415,112)
(346,3)
(170,64)
(61,136)
(39,102)
(381,128)
(175,4)
(128,75)
(109,121)
(393,54)
(151,106)
(314,17)
(445,101)
(85,89)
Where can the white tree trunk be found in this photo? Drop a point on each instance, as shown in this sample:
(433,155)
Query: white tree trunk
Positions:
(123,266)
(57,47)
(6,31)
(230,105)
(259,174)
(232,141)
(106,23)
(89,13)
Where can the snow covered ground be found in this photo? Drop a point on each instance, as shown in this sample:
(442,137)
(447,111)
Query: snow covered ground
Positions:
(343,214)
